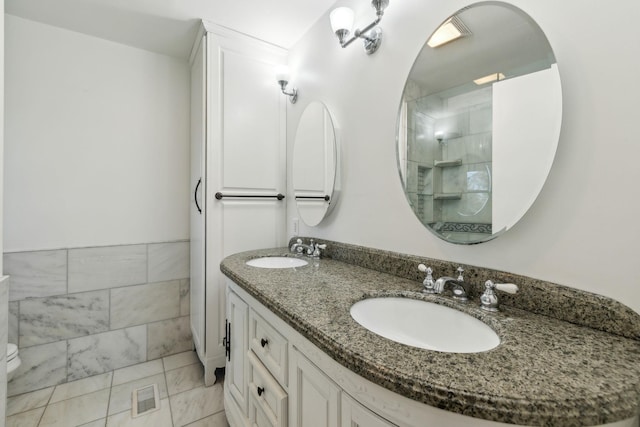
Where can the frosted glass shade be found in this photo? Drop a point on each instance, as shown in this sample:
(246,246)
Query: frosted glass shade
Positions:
(341,19)
(282,73)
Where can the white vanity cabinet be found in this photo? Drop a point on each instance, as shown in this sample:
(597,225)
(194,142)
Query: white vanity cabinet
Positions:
(356,415)
(267,399)
(273,378)
(256,367)
(315,399)
(236,342)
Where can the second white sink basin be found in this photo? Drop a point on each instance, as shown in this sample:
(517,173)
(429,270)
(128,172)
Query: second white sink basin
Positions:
(425,325)
(276,262)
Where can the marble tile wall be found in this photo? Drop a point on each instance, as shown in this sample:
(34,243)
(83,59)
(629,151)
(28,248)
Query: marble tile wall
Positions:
(465,120)
(80,312)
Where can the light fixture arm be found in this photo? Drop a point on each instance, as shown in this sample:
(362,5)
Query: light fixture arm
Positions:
(293,95)
(371,34)
(360,33)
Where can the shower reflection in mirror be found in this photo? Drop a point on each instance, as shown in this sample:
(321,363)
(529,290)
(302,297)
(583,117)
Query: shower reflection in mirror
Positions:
(479,122)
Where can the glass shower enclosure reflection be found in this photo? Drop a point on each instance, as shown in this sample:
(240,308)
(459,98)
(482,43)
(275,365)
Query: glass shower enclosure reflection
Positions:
(446,160)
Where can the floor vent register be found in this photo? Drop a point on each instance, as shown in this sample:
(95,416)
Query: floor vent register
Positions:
(145,400)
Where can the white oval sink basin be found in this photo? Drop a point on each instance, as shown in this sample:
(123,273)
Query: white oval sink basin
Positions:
(276,262)
(425,325)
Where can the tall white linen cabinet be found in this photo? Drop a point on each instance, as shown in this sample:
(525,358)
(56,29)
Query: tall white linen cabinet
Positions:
(238,167)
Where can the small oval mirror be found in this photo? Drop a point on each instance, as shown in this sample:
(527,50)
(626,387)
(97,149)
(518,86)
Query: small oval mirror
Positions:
(315,164)
(479,122)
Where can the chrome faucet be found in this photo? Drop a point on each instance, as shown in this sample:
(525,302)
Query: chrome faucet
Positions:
(313,249)
(298,247)
(457,285)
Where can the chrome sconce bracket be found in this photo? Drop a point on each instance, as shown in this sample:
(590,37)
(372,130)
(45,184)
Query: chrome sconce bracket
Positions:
(342,22)
(282,77)
(293,94)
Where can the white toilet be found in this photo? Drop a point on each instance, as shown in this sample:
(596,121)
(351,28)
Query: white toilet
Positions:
(13,360)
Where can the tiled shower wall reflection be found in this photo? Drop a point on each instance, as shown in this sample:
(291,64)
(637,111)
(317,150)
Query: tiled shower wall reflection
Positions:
(450,194)
(84,311)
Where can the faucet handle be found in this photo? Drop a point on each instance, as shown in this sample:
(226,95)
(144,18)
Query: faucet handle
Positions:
(489,299)
(509,288)
(317,249)
(460,270)
(429,284)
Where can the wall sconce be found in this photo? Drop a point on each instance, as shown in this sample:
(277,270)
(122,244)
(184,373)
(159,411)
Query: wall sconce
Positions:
(443,136)
(282,77)
(342,22)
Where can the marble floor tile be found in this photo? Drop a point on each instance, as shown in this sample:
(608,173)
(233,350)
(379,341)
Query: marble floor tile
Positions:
(104,352)
(79,387)
(107,267)
(42,366)
(136,372)
(27,401)
(44,320)
(76,411)
(36,274)
(196,404)
(185,378)
(159,418)
(169,337)
(120,399)
(217,420)
(25,419)
(179,360)
(111,406)
(168,261)
(136,305)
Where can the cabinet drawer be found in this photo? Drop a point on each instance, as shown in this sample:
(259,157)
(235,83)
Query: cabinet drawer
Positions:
(269,346)
(267,400)
(257,415)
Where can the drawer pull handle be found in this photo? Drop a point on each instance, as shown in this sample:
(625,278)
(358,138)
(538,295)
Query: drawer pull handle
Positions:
(260,391)
(264,342)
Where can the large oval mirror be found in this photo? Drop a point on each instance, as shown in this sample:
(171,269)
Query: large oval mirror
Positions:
(315,164)
(479,122)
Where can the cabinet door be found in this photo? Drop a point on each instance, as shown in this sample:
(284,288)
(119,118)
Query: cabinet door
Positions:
(197,208)
(356,415)
(315,399)
(245,155)
(237,367)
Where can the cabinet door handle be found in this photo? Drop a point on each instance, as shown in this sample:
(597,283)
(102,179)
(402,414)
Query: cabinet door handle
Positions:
(226,341)
(260,390)
(264,342)
(195,195)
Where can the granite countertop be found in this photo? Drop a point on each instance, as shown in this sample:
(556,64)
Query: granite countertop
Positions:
(544,372)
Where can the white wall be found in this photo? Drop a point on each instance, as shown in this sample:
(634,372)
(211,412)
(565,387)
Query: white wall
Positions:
(4,293)
(1,129)
(583,231)
(97,141)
